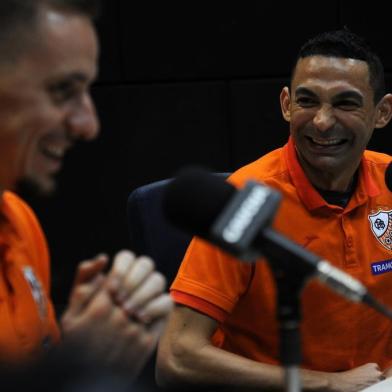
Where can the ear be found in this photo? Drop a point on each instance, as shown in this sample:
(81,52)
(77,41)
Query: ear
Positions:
(285,103)
(383,111)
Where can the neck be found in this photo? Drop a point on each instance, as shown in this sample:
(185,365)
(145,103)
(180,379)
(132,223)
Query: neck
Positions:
(331,183)
(337,181)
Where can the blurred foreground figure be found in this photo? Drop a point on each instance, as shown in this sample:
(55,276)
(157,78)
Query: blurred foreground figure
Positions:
(48,59)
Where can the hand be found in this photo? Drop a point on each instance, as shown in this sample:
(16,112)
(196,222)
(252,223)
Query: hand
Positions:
(102,326)
(138,288)
(356,379)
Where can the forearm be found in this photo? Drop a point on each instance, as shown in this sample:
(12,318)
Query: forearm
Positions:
(209,366)
(187,358)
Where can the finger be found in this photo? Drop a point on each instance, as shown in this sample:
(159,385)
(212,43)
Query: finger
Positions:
(88,269)
(95,322)
(122,263)
(101,309)
(136,276)
(157,308)
(88,280)
(82,293)
(153,285)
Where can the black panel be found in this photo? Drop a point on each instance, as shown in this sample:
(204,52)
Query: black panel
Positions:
(256,119)
(200,41)
(372,23)
(151,131)
(110,64)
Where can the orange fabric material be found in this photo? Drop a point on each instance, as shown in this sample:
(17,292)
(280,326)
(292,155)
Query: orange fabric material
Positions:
(27,320)
(199,304)
(336,334)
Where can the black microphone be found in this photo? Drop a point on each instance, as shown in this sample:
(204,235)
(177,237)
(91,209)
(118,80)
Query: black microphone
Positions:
(237,221)
(388,177)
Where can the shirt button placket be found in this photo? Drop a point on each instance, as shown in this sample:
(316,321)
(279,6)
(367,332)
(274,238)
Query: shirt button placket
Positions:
(350,258)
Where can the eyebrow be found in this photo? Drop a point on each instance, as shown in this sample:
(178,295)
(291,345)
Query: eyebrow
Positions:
(73,77)
(304,91)
(350,94)
(76,77)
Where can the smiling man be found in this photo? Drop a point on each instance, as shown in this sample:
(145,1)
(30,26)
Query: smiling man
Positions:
(223,331)
(48,59)
(45,104)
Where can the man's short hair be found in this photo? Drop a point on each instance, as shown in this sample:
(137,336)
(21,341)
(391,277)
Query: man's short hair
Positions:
(345,44)
(18,19)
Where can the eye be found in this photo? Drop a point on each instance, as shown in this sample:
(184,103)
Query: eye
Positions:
(306,102)
(347,104)
(63,91)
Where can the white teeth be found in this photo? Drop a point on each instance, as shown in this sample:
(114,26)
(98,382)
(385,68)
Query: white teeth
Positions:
(326,142)
(56,152)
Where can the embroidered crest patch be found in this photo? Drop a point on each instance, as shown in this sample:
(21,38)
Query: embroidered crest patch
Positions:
(381,225)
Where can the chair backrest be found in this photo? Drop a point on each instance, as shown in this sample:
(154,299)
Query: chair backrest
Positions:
(151,233)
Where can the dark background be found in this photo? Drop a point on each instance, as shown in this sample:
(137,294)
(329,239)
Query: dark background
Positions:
(184,84)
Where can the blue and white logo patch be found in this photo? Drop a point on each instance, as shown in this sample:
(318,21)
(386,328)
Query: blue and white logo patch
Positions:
(381,225)
(381,267)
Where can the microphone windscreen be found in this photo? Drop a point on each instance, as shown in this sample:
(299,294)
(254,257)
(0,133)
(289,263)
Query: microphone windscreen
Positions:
(194,199)
(388,177)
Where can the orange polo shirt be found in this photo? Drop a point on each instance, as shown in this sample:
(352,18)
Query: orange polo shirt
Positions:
(336,334)
(27,321)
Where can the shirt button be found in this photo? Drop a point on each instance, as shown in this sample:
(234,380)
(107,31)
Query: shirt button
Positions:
(349,242)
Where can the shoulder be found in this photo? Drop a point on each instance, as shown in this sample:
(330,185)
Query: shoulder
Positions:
(23,221)
(24,227)
(270,168)
(377,157)
(377,162)
(17,211)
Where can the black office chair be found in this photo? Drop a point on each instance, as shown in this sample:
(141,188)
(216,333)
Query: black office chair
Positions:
(151,233)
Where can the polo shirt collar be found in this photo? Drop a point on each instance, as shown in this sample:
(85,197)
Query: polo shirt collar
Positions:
(366,186)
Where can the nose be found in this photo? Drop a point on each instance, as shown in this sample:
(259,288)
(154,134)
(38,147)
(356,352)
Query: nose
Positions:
(82,119)
(324,118)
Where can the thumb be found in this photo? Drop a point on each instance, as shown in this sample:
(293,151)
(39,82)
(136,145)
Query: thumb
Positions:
(89,269)
(88,280)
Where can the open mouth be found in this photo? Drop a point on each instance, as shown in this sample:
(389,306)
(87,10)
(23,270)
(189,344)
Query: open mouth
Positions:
(326,143)
(53,152)
(53,155)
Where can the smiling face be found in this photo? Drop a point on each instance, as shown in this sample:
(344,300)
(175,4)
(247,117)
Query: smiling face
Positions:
(45,104)
(332,116)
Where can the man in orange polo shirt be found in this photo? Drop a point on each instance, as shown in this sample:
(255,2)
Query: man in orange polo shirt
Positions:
(223,331)
(48,59)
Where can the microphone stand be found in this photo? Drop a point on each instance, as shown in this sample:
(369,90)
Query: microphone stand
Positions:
(290,275)
(289,284)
